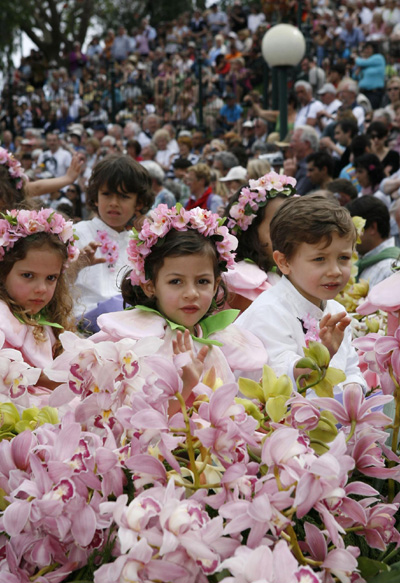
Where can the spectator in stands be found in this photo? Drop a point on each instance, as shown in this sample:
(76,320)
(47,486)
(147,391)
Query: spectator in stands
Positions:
(347,92)
(372,74)
(331,104)
(309,107)
(304,142)
(377,249)
(378,134)
(224,161)
(157,175)
(198,179)
(319,169)
(343,190)
(344,132)
(56,160)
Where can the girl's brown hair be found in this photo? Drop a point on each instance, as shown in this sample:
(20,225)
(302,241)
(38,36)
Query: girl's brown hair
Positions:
(59,309)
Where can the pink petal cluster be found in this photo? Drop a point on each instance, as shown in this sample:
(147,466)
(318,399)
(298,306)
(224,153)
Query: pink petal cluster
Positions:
(17,224)
(15,169)
(15,376)
(163,536)
(162,220)
(54,480)
(108,248)
(256,195)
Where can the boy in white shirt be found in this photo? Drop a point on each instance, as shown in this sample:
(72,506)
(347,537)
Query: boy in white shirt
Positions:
(313,240)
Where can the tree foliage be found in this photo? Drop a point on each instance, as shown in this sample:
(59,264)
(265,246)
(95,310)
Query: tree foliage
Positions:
(53,25)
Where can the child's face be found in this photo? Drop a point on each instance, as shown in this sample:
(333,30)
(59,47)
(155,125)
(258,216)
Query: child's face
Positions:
(316,271)
(32,281)
(116,208)
(184,288)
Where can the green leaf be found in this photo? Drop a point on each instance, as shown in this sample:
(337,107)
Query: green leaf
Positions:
(370,567)
(276,408)
(392,576)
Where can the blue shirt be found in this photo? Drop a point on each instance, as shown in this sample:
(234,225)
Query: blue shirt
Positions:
(372,72)
(232,114)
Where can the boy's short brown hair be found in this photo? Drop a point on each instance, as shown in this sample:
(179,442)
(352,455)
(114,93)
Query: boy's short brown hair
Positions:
(121,174)
(309,219)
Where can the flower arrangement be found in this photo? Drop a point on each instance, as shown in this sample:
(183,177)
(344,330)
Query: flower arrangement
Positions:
(15,169)
(17,224)
(256,195)
(268,486)
(162,219)
(108,248)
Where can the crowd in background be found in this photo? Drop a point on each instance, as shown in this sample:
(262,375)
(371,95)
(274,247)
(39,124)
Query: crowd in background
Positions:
(136,93)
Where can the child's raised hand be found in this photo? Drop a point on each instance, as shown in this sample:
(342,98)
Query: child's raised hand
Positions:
(75,167)
(192,372)
(331,330)
(88,255)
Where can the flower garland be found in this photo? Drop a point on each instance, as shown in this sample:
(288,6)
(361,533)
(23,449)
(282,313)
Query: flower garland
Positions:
(17,224)
(162,219)
(15,170)
(256,195)
(109,249)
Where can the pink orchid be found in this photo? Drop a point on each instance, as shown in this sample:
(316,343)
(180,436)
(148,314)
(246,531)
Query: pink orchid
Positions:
(356,409)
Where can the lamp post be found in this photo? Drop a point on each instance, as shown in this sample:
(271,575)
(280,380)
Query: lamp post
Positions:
(283,46)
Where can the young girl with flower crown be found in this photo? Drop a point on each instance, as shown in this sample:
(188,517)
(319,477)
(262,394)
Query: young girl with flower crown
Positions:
(250,212)
(175,287)
(35,306)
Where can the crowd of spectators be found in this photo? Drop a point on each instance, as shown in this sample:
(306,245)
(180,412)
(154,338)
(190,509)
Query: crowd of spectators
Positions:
(137,93)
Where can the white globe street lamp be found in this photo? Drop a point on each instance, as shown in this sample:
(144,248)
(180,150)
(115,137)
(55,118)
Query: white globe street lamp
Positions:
(283,46)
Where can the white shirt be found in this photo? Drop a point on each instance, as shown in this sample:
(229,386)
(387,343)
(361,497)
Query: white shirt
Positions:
(275,318)
(309,111)
(58,163)
(97,283)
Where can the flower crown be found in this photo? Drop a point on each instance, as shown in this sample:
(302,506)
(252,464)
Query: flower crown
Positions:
(162,220)
(17,224)
(15,170)
(243,212)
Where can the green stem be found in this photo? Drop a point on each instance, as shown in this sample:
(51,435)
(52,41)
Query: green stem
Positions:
(43,571)
(295,545)
(189,440)
(393,553)
(321,377)
(352,430)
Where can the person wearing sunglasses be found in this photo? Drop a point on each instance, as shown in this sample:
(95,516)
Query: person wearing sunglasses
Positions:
(378,134)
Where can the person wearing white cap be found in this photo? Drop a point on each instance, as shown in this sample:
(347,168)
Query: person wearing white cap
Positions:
(235,179)
(328,97)
(310,107)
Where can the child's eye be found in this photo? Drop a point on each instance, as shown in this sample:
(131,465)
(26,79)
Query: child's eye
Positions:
(345,258)
(204,281)
(52,277)
(318,258)
(175,281)
(26,275)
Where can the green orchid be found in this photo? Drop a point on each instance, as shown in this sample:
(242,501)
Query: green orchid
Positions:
(272,392)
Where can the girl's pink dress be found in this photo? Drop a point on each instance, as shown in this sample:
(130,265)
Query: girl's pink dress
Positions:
(239,350)
(38,354)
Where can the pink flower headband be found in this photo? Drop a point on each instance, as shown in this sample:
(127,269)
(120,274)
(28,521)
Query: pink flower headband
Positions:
(18,224)
(162,220)
(243,212)
(14,168)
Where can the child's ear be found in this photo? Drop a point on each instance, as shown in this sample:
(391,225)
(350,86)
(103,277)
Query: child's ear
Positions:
(281,262)
(148,289)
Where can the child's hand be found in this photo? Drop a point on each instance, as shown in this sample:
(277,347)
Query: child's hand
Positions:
(331,330)
(88,255)
(75,167)
(192,372)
